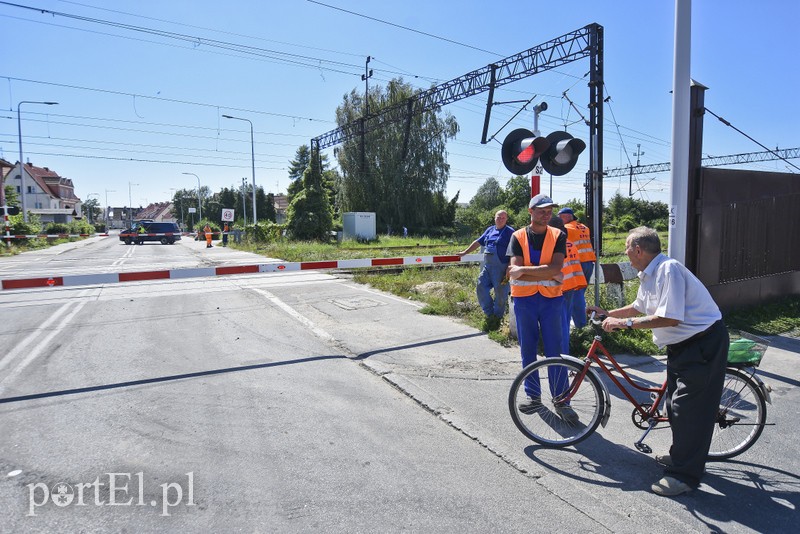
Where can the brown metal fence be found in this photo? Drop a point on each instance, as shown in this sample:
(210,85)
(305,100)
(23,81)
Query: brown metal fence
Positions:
(746,241)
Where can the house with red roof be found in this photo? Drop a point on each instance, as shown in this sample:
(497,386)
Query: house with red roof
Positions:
(48,195)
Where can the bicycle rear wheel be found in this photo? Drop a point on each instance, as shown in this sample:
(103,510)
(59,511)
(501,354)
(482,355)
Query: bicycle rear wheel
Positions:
(546,422)
(742,414)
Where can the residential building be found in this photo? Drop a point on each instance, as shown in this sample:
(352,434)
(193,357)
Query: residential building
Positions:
(281,203)
(48,195)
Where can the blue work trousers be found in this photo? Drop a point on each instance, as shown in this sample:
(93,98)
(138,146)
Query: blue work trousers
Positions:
(491,277)
(579,300)
(534,313)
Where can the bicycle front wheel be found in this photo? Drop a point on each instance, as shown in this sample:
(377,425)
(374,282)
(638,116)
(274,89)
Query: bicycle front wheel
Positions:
(741,418)
(553,405)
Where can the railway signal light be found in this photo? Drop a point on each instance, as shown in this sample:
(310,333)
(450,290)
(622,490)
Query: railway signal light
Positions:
(521,150)
(12,210)
(562,154)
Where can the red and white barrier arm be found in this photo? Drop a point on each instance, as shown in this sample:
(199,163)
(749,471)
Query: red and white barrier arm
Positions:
(174,274)
(51,236)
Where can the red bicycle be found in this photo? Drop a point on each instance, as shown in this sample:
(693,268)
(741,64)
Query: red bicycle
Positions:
(540,392)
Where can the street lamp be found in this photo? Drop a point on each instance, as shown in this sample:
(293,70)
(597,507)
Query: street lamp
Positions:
(130,205)
(21,165)
(252,159)
(199,202)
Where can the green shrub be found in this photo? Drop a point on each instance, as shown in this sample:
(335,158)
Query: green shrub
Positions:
(56,228)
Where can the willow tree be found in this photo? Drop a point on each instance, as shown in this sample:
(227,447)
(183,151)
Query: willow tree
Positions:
(398,170)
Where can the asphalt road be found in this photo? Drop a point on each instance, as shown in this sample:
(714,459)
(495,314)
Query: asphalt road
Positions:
(300,401)
(211,406)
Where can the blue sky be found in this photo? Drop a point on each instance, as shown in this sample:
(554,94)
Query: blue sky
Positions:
(139,108)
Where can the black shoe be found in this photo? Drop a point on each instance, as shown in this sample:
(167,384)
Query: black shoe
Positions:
(531,406)
(664,459)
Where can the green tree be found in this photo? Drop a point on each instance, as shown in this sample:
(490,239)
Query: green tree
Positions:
(297,167)
(92,209)
(265,205)
(517,193)
(489,195)
(182,200)
(309,214)
(400,167)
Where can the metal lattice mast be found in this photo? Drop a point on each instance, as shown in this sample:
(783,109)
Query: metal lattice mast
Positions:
(552,54)
(710,161)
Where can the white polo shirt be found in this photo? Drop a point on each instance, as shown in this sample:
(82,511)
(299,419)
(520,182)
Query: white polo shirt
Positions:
(668,289)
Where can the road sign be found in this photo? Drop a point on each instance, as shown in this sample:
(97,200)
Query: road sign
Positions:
(227,215)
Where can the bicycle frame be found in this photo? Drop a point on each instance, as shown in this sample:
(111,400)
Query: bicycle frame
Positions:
(656,394)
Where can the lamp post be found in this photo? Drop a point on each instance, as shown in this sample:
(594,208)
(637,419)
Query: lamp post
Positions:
(252,159)
(199,201)
(21,164)
(130,205)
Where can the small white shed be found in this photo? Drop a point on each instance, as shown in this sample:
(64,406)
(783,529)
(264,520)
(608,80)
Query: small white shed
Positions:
(359,225)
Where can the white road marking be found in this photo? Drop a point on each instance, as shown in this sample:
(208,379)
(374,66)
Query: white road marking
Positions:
(40,346)
(320,333)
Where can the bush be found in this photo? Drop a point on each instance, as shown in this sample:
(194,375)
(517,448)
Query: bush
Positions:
(265,232)
(20,227)
(56,228)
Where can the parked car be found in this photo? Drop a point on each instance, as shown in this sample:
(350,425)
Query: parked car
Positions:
(165,233)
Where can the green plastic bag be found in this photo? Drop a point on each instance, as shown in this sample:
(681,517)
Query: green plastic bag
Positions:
(742,351)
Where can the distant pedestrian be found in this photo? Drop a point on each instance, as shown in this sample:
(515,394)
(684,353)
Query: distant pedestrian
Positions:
(209,235)
(140,235)
(495,241)
(225,230)
(405,232)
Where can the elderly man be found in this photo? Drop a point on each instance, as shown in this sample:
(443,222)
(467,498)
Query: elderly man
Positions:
(493,272)
(679,309)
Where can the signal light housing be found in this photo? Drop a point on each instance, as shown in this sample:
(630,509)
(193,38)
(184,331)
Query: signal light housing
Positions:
(521,151)
(562,154)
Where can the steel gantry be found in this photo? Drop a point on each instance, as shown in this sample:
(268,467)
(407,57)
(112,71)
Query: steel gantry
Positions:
(575,45)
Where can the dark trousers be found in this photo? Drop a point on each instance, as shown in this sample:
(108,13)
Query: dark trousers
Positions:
(695,376)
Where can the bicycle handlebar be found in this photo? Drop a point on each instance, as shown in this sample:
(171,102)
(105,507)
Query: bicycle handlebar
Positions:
(596,319)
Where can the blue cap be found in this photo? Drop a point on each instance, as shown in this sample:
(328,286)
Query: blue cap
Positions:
(566,210)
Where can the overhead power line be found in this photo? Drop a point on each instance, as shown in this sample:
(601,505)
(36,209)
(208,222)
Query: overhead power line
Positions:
(407,28)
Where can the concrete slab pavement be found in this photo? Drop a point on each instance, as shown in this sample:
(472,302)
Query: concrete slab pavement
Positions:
(463,378)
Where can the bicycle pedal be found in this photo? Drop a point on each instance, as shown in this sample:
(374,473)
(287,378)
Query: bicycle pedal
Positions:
(643,447)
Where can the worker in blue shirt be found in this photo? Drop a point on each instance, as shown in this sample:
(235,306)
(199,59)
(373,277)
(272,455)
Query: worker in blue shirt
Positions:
(493,271)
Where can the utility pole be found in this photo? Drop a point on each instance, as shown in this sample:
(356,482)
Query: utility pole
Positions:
(638,164)
(366,76)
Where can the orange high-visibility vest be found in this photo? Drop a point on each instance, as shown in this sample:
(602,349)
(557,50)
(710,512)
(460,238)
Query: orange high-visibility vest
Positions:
(548,288)
(579,235)
(573,274)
